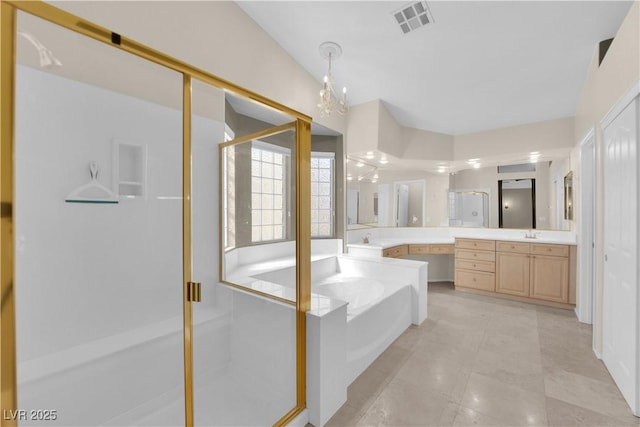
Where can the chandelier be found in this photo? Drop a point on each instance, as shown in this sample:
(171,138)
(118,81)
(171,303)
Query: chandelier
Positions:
(328,99)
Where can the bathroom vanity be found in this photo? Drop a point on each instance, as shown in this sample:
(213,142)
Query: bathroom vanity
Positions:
(537,267)
(535,272)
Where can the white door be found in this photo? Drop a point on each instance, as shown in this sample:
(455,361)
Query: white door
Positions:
(402,203)
(620,293)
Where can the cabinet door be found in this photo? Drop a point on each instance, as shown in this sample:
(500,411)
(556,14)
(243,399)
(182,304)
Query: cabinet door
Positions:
(512,273)
(550,278)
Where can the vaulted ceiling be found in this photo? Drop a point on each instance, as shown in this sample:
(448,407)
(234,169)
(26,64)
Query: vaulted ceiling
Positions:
(479,65)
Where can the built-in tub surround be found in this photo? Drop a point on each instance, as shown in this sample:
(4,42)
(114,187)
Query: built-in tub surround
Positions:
(359,306)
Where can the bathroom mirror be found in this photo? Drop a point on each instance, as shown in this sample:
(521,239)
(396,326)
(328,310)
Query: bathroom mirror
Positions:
(452,199)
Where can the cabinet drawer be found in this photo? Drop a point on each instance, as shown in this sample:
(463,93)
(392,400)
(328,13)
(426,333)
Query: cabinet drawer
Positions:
(395,251)
(419,249)
(441,249)
(475,280)
(551,250)
(517,247)
(476,255)
(484,245)
(467,264)
(430,249)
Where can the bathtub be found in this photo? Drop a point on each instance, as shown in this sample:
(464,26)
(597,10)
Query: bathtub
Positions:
(377,313)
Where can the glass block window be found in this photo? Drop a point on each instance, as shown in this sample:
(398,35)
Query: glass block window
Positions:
(268,173)
(322,194)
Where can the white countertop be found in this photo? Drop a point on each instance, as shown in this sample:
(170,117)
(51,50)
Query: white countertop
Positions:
(384,238)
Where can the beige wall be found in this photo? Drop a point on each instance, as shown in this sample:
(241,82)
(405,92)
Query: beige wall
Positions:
(199,34)
(604,87)
(390,138)
(551,134)
(362,127)
(423,144)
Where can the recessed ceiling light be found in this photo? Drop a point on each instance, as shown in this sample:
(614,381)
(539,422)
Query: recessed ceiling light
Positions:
(476,165)
(369,155)
(384,161)
(359,164)
(360,178)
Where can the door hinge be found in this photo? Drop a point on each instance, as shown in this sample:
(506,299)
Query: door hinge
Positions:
(193,291)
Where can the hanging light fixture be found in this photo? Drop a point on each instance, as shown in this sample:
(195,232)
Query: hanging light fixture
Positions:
(328,99)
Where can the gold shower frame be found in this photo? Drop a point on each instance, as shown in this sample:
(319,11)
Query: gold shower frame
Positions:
(301,123)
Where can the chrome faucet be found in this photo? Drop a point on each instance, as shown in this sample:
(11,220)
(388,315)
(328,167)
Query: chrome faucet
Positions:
(530,235)
(365,239)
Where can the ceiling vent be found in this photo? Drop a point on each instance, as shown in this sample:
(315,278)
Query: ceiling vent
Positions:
(413,16)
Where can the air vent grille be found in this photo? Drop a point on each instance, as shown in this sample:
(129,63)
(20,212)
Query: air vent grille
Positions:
(413,16)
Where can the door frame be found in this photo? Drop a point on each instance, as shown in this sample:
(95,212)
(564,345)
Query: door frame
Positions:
(585,307)
(533,200)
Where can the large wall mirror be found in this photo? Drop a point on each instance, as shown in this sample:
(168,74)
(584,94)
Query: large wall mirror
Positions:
(382,197)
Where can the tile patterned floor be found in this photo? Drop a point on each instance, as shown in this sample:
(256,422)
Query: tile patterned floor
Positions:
(482,361)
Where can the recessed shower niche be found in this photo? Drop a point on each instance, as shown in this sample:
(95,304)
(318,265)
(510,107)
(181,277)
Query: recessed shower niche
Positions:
(129,169)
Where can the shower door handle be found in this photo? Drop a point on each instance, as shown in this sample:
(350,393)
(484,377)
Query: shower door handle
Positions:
(193,292)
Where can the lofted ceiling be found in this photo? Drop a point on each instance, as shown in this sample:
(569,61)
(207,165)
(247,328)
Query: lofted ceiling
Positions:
(480,65)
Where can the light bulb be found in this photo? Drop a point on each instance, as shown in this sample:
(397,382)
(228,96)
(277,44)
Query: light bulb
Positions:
(326,78)
(344,90)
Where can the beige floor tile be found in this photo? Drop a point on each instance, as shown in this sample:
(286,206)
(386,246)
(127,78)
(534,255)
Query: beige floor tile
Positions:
(449,414)
(515,345)
(512,404)
(468,417)
(562,414)
(391,360)
(598,396)
(456,336)
(366,388)
(434,350)
(578,362)
(442,376)
(523,370)
(480,360)
(402,404)
(409,339)
(347,416)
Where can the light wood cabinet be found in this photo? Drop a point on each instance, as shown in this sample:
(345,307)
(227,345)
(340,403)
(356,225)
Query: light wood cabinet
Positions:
(475,264)
(550,278)
(536,272)
(512,275)
(395,251)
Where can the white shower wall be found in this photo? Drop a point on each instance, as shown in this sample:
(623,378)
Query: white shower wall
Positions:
(101,284)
